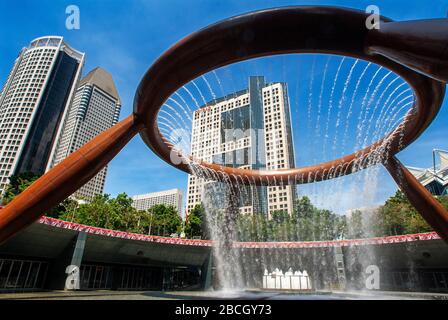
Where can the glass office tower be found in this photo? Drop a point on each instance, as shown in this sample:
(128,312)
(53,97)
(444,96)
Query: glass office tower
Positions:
(34,103)
(96,107)
(247,129)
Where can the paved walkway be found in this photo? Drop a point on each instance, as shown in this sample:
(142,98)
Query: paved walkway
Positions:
(200,295)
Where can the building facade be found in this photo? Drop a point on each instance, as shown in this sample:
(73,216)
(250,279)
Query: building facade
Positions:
(96,107)
(435,179)
(171,197)
(34,103)
(249,129)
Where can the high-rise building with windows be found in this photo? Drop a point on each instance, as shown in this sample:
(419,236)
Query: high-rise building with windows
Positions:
(248,129)
(96,107)
(34,103)
(171,197)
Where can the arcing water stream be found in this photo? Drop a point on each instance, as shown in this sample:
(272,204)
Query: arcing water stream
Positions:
(337,105)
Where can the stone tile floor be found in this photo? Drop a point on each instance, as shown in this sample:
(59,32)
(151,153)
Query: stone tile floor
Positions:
(230,295)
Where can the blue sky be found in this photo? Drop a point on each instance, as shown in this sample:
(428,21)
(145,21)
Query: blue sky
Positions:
(125,37)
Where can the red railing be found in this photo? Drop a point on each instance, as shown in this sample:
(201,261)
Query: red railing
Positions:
(207,243)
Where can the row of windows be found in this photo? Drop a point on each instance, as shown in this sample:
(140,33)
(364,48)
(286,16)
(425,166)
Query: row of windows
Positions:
(24,86)
(221,107)
(143,204)
(278,207)
(233,145)
(78,130)
(245,210)
(93,187)
(279,164)
(275,99)
(267,92)
(16,109)
(273,117)
(275,125)
(203,141)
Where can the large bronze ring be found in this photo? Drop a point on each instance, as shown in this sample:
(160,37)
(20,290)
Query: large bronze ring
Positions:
(415,50)
(271,32)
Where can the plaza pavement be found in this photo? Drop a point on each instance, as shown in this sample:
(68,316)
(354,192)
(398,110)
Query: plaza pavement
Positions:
(212,295)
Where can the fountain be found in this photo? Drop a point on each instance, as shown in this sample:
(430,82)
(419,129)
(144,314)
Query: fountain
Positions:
(357,85)
(404,91)
(297,281)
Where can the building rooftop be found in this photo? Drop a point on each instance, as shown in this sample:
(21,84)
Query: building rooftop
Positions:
(56,42)
(438,173)
(102,79)
(232,95)
(224,98)
(156,194)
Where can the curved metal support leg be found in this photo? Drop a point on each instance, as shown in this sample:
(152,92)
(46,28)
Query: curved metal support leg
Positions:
(65,178)
(430,209)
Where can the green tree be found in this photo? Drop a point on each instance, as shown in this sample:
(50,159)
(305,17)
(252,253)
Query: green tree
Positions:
(313,224)
(397,216)
(195,226)
(304,207)
(308,223)
(166,220)
(280,226)
(144,222)
(355,225)
(96,213)
(17,184)
(341,227)
(106,212)
(280,216)
(443,200)
(67,207)
(253,228)
(122,215)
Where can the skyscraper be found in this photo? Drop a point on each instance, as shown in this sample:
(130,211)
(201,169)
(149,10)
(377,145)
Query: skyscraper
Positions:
(248,129)
(33,104)
(96,107)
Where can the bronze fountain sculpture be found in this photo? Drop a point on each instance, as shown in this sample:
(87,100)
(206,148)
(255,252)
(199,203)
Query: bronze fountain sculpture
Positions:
(415,50)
